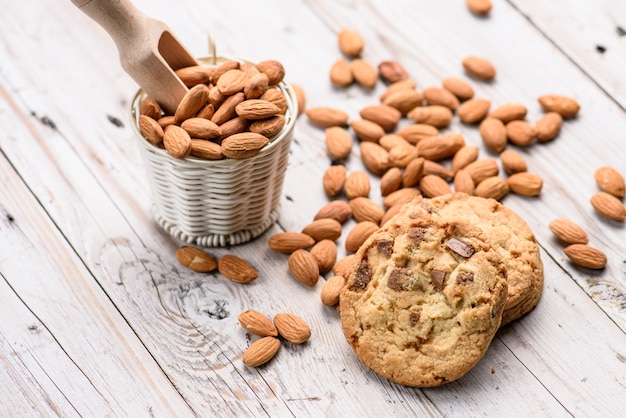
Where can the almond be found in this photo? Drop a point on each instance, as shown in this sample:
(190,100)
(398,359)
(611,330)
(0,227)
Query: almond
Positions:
(249,68)
(404,100)
(177,141)
(338,210)
(165,121)
(566,106)
(432,185)
(435,115)
(288,242)
(439,148)
(473,110)
(520,132)
(389,141)
(261,351)
(277,97)
(525,184)
(390,181)
(231,82)
(331,290)
(207,150)
(479,67)
(586,256)
(401,196)
(441,97)
(432,167)
(326,117)
(256,109)
(402,155)
(608,206)
(324,228)
(233,126)
(206,112)
(334,178)
(149,107)
(365,209)
(391,212)
(413,172)
(150,129)
(358,234)
(366,130)
(300,97)
(338,142)
(610,180)
(508,112)
(415,132)
(479,7)
(364,73)
(513,162)
(192,102)
(341,73)
(216,97)
(548,126)
(482,168)
(325,252)
(460,88)
(494,187)
(273,69)
(357,184)
(493,133)
(201,128)
(243,145)
(351,43)
(464,156)
(463,183)
(392,71)
(195,74)
(385,116)
(218,71)
(257,323)
(227,110)
(568,231)
(375,158)
(236,269)
(256,85)
(196,259)
(401,85)
(303,267)
(292,328)
(344,266)
(269,127)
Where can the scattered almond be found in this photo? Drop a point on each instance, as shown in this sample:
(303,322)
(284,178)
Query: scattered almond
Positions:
(375,158)
(341,73)
(338,142)
(513,162)
(415,132)
(196,259)
(304,268)
(344,265)
(364,73)
(401,196)
(473,110)
(288,242)
(608,206)
(439,148)
(325,252)
(334,178)
(292,328)
(351,43)
(331,290)
(520,132)
(610,180)
(548,126)
(326,117)
(432,185)
(236,269)
(568,231)
(435,115)
(404,100)
(324,228)
(413,172)
(261,351)
(357,184)
(366,130)
(392,71)
(401,155)
(493,133)
(257,323)
(460,88)
(508,112)
(365,209)
(566,106)
(482,168)
(358,234)
(387,117)
(525,184)
(390,181)
(338,210)
(441,97)
(479,68)
(494,187)
(480,7)
(586,256)
(463,183)
(464,156)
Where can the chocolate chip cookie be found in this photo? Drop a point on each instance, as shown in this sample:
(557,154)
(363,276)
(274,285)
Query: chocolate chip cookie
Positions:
(511,236)
(423,300)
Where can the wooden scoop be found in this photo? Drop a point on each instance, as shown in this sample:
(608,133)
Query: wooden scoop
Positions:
(149,52)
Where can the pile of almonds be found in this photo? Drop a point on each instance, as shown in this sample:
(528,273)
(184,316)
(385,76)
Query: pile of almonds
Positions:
(230,111)
(287,325)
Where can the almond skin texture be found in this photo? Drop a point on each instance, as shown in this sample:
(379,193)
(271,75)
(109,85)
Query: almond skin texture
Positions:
(513,162)
(520,132)
(442,97)
(338,210)
(326,117)
(357,184)
(364,73)
(196,259)
(151,130)
(334,179)
(508,112)
(201,148)
(243,145)
(288,242)
(586,256)
(463,183)
(608,206)
(401,196)
(366,130)
(303,267)
(479,67)
(236,269)
(435,115)
(413,172)
(201,128)
(563,105)
(331,290)
(257,323)
(439,148)
(268,127)
(610,180)
(473,110)
(389,141)
(414,133)
(256,85)
(385,116)
(358,234)
(325,228)
(568,231)
(548,126)
(338,142)
(525,184)
(392,71)
(404,100)
(464,156)
(390,181)
(482,168)
(375,158)
(325,252)
(344,265)
(365,209)
(402,155)
(195,74)
(256,109)
(231,82)
(192,102)
(432,185)
(493,133)
(494,187)
(401,85)
(460,88)
(341,73)
(177,141)
(479,7)
(273,69)
(351,43)
(261,351)
(292,328)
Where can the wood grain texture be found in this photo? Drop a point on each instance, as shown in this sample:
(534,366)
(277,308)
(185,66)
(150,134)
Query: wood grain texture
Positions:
(98,317)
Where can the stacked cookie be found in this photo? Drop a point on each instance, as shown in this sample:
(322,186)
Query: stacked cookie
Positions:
(429,289)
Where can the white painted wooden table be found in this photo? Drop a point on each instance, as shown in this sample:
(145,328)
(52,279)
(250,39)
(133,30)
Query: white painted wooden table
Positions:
(97,318)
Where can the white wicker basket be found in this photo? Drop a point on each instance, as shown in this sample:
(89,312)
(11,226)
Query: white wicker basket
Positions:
(223,202)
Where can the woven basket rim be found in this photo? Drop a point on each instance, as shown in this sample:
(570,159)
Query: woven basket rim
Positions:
(290,116)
